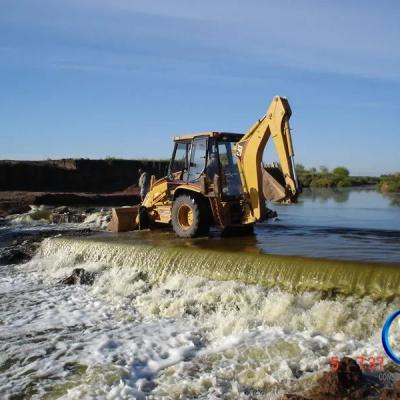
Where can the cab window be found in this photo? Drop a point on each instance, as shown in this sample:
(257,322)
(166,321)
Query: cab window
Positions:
(197,159)
(180,162)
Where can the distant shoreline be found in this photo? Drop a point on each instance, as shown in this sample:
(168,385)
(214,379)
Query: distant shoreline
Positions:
(338,177)
(112,182)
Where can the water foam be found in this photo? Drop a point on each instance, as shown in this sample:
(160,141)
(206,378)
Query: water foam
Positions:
(133,334)
(161,261)
(40,216)
(35,216)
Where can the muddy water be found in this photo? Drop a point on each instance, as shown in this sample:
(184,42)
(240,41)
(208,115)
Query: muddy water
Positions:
(168,318)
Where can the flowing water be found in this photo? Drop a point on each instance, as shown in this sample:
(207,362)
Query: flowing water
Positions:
(248,318)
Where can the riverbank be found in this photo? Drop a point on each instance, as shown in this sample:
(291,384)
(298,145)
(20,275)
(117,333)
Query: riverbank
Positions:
(389,183)
(70,182)
(17,202)
(75,175)
(335,178)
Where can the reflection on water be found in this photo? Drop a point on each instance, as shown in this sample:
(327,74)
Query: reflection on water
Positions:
(353,196)
(322,195)
(352,208)
(394,199)
(360,224)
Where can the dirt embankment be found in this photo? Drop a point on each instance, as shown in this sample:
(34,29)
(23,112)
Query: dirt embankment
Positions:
(95,176)
(71,182)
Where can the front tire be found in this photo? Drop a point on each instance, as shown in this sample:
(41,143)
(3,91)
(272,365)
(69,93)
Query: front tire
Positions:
(188,217)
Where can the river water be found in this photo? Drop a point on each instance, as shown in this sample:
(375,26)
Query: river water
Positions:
(136,333)
(353,224)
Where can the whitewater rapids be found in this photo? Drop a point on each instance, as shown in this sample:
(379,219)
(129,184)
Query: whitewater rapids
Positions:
(142,334)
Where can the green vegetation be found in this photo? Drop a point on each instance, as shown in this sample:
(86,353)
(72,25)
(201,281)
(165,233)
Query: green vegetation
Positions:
(389,183)
(338,177)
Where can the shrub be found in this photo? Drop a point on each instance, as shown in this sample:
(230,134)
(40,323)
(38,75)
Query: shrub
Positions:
(341,171)
(389,183)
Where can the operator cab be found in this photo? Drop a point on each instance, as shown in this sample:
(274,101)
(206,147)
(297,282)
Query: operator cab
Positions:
(207,154)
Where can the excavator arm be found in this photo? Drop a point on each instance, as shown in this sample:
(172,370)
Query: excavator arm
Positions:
(256,181)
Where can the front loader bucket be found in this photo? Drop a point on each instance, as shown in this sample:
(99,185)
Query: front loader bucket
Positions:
(123,219)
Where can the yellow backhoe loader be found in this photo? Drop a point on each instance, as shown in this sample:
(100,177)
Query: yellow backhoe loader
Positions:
(218,179)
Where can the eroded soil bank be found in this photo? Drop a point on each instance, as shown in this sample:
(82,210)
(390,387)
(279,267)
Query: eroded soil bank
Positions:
(70,175)
(70,182)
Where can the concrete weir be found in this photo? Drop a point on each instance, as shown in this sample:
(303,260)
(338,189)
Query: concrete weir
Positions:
(161,255)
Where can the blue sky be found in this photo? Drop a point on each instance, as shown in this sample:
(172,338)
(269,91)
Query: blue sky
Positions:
(97,78)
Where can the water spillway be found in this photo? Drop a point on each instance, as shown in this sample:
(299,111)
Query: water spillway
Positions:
(160,257)
(170,318)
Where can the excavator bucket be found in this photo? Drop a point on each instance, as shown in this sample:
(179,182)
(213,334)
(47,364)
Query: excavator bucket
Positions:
(123,219)
(273,184)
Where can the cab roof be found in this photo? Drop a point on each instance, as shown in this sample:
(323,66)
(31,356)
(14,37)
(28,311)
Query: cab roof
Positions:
(207,134)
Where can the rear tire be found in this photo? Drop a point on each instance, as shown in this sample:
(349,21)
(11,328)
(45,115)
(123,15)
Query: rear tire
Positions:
(189,218)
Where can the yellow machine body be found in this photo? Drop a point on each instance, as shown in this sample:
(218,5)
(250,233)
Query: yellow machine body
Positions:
(218,179)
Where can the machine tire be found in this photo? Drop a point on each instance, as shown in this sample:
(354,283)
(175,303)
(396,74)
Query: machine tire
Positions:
(188,217)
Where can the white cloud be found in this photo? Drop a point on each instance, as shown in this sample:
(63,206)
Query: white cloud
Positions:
(347,37)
